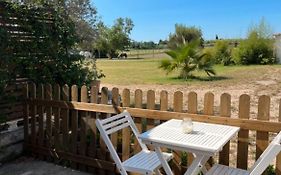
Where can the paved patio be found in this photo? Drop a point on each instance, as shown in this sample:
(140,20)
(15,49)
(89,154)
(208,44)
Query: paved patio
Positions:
(30,166)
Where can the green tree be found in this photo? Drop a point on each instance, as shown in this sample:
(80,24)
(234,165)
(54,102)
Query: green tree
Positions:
(188,58)
(184,34)
(222,52)
(115,38)
(257,48)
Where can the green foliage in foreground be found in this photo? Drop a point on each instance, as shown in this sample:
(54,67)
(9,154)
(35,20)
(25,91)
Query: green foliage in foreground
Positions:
(188,58)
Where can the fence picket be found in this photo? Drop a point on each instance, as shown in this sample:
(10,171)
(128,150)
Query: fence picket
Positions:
(150,105)
(41,117)
(83,127)
(56,112)
(103,152)
(48,136)
(115,102)
(33,113)
(278,159)
(138,121)
(225,111)
(93,131)
(65,118)
(126,131)
(243,134)
(74,124)
(192,109)
(209,110)
(26,117)
(263,114)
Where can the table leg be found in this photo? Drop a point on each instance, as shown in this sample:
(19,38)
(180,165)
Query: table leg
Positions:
(163,161)
(197,164)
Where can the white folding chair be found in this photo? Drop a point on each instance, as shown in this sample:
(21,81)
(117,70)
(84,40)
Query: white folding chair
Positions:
(144,162)
(260,165)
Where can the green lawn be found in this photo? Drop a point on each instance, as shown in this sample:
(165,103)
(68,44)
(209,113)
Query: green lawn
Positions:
(146,71)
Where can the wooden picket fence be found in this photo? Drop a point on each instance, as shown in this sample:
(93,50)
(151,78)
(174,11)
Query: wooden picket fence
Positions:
(55,131)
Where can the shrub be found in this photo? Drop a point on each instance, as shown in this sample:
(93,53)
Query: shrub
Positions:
(222,53)
(257,48)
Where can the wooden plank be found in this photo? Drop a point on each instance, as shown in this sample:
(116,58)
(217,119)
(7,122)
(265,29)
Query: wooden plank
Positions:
(56,112)
(278,159)
(65,119)
(150,105)
(48,136)
(225,111)
(209,110)
(115,103)
(126,131)
(26,118)
(102,154)
(83,128)
(33,113)
(192,109)
(41,116)
(263,114)
(138,121)
(243,134)
(178,107)
(74,125)
(257,125)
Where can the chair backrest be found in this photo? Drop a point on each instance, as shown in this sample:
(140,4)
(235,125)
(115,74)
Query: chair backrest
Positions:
(267,156)
(113,124)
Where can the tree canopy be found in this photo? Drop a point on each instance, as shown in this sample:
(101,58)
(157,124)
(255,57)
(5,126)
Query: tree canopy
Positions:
(184,34)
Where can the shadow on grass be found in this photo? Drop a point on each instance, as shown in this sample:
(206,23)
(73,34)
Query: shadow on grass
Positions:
(197,78)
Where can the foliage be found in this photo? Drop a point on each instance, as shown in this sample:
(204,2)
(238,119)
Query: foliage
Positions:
(257,48)
(50,57)
(81,12)
(222,53)
(112,39)
(188,58)
(184,34)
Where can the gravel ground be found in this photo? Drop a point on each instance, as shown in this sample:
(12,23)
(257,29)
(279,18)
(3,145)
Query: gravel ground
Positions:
(30,166)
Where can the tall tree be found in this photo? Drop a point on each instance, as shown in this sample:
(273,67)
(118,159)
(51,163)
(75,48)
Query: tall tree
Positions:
(184,34)
(115,38)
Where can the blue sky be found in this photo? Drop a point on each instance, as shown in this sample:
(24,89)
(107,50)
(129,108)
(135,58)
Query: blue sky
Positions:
(155,19)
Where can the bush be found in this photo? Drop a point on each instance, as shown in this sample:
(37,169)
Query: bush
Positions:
(222,53)
(257,48)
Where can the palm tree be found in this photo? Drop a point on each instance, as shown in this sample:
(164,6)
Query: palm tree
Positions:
(188,58)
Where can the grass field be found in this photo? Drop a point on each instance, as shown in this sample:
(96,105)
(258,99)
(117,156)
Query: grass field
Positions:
(146,71)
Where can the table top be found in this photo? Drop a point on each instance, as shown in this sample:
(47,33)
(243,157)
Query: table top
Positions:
(204,137)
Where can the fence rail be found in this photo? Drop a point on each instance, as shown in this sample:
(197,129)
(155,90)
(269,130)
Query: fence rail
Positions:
(58,131)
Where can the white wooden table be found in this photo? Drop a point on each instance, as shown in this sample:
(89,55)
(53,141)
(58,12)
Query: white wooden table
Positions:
(205,140)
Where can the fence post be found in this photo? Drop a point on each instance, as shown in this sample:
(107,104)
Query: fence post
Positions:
(225,111)
(192,109)
(243,134)
(56,111)
(65,118)
(263,114)
(115,103)
(26,118)
(74,124)
(138,121)
(48,96)
(33,112)
(41,117)
(178,106)
(126,131)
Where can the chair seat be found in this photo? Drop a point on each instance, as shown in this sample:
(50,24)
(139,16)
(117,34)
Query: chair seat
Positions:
(226,170)
(145,162)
